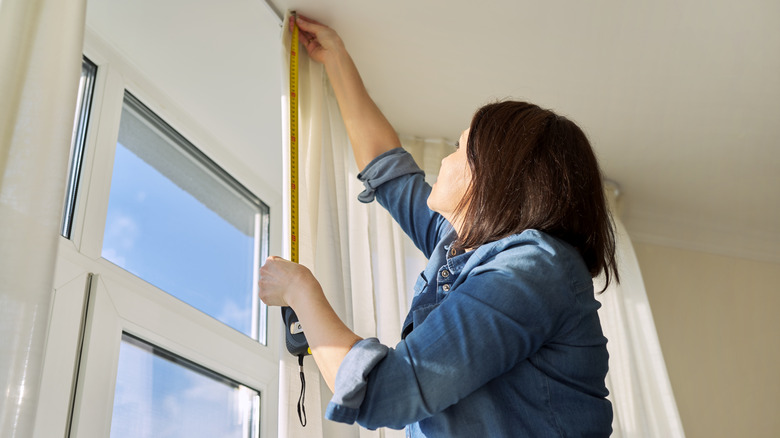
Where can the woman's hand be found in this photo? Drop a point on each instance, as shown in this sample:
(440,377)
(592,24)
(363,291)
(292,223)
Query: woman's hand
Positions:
(369,131)
(319,40)
(284,283)
(281,281)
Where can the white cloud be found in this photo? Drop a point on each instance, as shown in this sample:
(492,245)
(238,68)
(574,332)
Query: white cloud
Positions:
(122,231)
(235,316)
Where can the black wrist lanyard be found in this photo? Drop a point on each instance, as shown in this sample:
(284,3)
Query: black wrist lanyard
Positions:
(297,345)
(302,397)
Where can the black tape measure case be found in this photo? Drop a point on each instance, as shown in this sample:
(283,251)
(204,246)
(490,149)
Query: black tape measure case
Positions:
(293,333)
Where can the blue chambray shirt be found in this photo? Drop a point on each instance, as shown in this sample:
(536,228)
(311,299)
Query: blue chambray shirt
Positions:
(502,341)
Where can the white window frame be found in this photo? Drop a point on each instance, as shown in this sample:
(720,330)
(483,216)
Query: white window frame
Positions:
(95,301)
(81,122)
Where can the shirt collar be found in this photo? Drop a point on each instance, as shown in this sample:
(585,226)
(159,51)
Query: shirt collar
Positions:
(456,258)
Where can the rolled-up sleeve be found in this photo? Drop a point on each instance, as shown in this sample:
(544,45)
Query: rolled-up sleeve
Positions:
(398,184)
(351,380)
(388,166)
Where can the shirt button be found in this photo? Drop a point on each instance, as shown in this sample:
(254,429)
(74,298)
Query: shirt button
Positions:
(445,273)
(453,251)
(446,287)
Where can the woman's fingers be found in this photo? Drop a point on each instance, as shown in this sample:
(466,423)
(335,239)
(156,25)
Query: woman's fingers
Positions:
(307,37)
(319,40)
(308,28)
(273,282)
(305,21)
(279,278)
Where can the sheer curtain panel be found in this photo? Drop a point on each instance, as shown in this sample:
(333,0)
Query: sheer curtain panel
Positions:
(640,391)
(40,51)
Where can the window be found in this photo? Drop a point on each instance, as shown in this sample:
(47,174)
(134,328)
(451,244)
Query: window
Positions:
(78,140)
(159,394)
(149,363)
(178,221)
(155,324)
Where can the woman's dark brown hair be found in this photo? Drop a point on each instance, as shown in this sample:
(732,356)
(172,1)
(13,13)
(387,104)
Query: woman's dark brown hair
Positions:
(533,169)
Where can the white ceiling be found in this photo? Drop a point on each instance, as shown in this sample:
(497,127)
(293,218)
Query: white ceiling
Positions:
(681,100)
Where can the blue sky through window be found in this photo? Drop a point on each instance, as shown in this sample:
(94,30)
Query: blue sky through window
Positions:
(159,397)
(166,236)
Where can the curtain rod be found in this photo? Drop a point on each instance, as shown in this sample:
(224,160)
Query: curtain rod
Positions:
(279,16)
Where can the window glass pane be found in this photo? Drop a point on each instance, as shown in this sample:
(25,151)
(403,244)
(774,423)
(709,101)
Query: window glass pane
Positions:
(159,394)
(178,221)
(77,142)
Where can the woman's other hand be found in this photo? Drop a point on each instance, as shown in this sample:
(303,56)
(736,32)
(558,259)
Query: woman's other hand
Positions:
(284,283)
(319,40)
(369,131)
(281,280)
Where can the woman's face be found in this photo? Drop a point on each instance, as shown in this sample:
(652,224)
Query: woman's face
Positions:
(452,182)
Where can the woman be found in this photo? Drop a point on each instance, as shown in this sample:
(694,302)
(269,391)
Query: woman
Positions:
(503,338)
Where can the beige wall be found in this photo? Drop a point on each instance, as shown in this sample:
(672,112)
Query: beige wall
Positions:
(718,321)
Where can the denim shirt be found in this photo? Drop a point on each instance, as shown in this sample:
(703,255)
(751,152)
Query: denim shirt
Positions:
(502,341)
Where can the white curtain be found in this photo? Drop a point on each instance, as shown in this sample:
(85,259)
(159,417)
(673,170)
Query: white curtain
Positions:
(639,386)
(40,54)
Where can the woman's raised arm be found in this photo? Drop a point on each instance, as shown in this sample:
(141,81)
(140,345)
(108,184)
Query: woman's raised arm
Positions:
(369,131)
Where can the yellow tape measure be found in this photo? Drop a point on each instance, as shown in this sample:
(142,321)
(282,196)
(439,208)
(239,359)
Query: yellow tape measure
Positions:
(295,340)
(294,143)
(294,337)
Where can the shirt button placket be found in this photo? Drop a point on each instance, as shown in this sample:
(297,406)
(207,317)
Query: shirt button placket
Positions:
(445,274)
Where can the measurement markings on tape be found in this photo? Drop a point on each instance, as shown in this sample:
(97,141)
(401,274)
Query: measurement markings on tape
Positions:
(294,144)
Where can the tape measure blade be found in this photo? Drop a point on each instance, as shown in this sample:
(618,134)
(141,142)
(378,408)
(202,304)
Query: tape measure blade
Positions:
(294,186)
(296,342)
